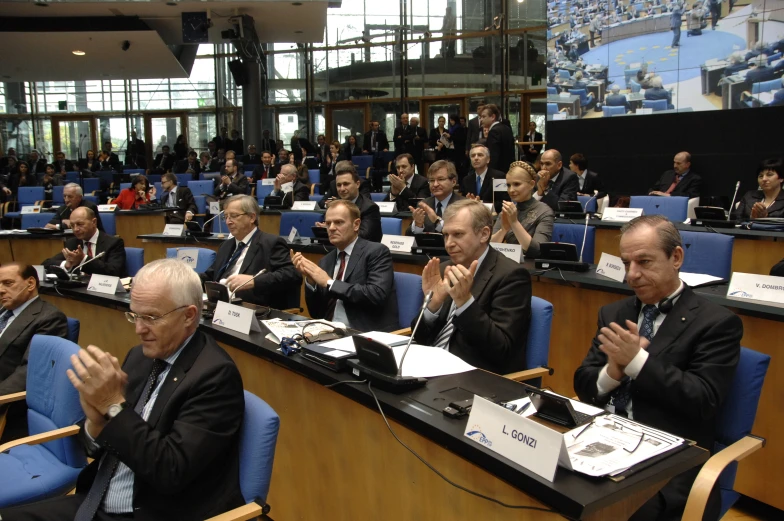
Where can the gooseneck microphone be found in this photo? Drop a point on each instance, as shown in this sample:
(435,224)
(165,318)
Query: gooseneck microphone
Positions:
(413,332)
(80,266)
(211,219)
(231,295)
(732,203)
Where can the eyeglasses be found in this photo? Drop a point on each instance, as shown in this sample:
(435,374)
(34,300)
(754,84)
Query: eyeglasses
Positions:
(607,422)
(439,180)
(232,216)
(132,317)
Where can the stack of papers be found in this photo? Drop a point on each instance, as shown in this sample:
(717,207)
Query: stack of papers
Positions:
(280,328)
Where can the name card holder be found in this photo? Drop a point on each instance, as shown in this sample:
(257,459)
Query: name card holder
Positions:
(215,207)
(173,230)
(399,243)
(756,287)
(107,207)
(499,185)
(189,256)
(387,207)
(511,251)
(611,267)
(621,214)
(237,318)
(30,209)
(105,284)
(304,205)
(293,234)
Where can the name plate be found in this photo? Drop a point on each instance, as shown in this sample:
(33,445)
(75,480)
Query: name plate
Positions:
(565,95)
(293,234)
(499,185)
(559,116)
(173,230)
(107,207)
(527,443)
(387,206)
(214,207)
(511,251)
(30,209)
(611,267)
(398,242)
(644,111)
(621,214)
(268,181)
(105,284)
(189,256)
(756,287)
(304,205)
(237,318)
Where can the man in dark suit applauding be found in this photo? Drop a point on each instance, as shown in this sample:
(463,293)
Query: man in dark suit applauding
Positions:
(406,184)
(355,282)
(288,187)
(232,182)
(163,429)
(347,187)
(665,357)
(22,315)
(179,197)
(250,250)
(556,183)
(427,217)
(500,141)
(680,181)
(479,183)
(481,304)
(86,244)
(74,198)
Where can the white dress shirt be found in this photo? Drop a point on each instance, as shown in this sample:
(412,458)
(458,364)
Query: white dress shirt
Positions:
(92,240)
(440,225)
(15,313)
(235,269)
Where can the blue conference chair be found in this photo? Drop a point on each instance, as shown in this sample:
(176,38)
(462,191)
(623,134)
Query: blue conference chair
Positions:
(552,108)
(552,91)
(585,100)
(315,179)
(765,86)
(589,207)
(774,57)
(31,471)
(156,178)
(629,74)
(408,287)
(377,197)
(35,220)
(391,225)
(183,179)
(92,198)
(656,105)
(302,221)
(91,184)
(258,438)
(109,223)
(564,74)
(733,428)
(72,177)
(200,187)
(635,87)
(573,234)
(26,196)
(709,253)
(124,186)
(134,260)
(674,208)
(73,329)
(537,349)
(204,260)
(612,111)
(363,163)
(57,195)
(315,197)
(262,191)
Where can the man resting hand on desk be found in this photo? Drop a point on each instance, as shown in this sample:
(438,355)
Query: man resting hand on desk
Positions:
(665,357)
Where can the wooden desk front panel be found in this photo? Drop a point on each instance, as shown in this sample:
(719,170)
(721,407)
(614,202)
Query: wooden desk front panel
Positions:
(35,251)
(130,225)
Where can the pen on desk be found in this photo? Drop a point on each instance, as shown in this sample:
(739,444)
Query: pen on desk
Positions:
(524,408)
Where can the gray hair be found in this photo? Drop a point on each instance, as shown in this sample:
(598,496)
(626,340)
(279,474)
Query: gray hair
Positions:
(669,236)
(289,169)
(480,215)
(75,187)
(248,204)
(736,57)
(656,82)
(179,280)
(615,89)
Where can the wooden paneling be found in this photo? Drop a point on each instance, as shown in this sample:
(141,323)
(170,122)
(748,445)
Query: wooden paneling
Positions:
(35,251)
(130,225)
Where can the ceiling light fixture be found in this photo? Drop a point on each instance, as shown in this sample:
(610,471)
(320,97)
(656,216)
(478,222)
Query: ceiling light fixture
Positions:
(79,53)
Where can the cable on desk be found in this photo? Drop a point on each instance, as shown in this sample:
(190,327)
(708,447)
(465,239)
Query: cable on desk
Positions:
(440,475)
(345,382)
(564,278)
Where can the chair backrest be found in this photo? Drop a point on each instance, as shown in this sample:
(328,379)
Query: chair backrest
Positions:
(563,73)
(391,225)
(773,57)
(552,108)
(73,330)
(409,297)
(35,220)
(156,178)
(302,221)
(580,92)
(634,86)
(608,111)
(552,90)
(204,260)
(736,415)
(200,187)
(315,197)
(674,208)
(72,177)
(91,184)
(52,402)
(262,191)
(125,186)
(709,253)
(378,196)
(363,163)
(201,204)
(588,200)
(57,194)
(92,198)
(656,105)
(573,233)
(184,179)
(27,195)
(765,86)
(134,260)
(537,348)
(109,223)
(258,437)
(314,174)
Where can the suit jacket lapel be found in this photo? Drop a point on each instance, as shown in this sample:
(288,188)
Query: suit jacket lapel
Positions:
(675,323)
(19,324)
(356,256)
(484,273)
(253,250)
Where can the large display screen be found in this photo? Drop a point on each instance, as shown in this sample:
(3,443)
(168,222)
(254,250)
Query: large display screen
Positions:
(608,58)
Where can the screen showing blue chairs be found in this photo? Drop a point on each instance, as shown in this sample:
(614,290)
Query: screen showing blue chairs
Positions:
(573,234)
(655,105)
(612,111)
(674,208)
(709,253)
(391,225)
(302,221)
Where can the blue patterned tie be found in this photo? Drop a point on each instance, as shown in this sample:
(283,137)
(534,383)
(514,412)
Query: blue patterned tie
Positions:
(623,394)
(478,185)
(5,316)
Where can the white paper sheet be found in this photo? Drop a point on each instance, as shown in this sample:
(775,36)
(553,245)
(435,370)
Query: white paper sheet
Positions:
(347,344)
(696,280)
(426,362)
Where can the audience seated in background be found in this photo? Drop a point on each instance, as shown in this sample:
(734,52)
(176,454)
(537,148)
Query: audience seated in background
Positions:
(680,181)
(251,158)
(207,163)
(62,165)
(354,283)
(288,187)
(664,357)
(556,183)
(406,185)
(768,201)
(140,192)
(427,216)
(74,198)
(644,77)
(375,140)
(478,184)
(190,165)
(179,197)
(590,183)
(247,252)
(232,182)
(346,186)
(265,169)
(524,220)
(329,164)
(616,99)
(87,242)
(657,92)
(164,162)
(49,181)
(481,304)
(230,154)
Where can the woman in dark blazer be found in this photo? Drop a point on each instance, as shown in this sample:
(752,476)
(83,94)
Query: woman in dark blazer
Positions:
(352,148)
(181,148)
(769,200)
(90,162)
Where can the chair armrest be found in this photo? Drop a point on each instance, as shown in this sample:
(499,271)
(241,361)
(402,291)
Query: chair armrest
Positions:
(405,331)
(312,188)
(249,511)
(710,472)
(528,374)
(41,203)
(13,397)
(95,192)
(42,438)
(7,205)
(368,172)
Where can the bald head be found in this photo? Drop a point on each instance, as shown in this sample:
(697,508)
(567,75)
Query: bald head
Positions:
(83,223)
(681,163)
(551,161)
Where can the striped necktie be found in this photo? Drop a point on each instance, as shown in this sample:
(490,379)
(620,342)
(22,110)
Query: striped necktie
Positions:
(442,340)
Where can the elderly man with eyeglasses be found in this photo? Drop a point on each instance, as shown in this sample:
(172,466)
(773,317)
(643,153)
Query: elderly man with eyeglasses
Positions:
(164,427)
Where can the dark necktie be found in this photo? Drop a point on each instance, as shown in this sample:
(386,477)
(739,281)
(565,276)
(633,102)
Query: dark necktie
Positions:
(478,185)
(109,462)
(439,209)
(232,259)
(373,141)
(442,340)
(333,301)
(89,250)
(622,393)
(5,316)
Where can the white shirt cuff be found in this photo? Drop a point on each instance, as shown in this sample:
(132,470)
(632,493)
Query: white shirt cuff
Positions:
(429,317)
(62,265)
(90,439)
(635,366)
(464,306)
(537,196)
(392,196)
(416,229)
(606,384)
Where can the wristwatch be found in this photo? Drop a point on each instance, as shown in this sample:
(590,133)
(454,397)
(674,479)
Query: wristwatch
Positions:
(114,410)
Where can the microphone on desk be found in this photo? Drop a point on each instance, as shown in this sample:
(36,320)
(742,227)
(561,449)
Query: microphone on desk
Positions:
(413,332)
(231,295)
(732,203)
(86,263)
(585,234)
(202,233)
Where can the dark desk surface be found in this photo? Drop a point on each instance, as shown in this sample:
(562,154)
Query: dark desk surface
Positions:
(572,494)
(735,232)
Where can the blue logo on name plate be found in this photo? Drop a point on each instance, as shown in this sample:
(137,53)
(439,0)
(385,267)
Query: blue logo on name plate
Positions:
(476,434)
(187,258)
(218,322)
(740,293)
